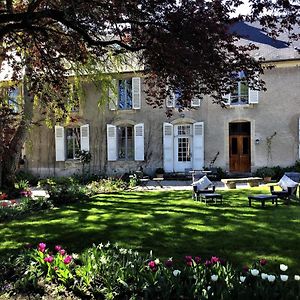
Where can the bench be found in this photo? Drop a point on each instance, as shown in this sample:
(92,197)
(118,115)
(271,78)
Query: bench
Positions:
(252,181)
(263,198)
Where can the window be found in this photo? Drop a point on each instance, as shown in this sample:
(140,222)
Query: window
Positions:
(69,141)
(240,95)
(10,97)
(125,93)
(73,142)
(125,142)
(172,100)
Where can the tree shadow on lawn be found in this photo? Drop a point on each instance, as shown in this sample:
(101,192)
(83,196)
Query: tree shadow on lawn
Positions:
(169,223)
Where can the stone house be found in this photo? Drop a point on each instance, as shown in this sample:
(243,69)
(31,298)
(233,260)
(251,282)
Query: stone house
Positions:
(254,130)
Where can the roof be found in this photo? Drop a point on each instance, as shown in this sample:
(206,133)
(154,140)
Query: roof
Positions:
(269,48)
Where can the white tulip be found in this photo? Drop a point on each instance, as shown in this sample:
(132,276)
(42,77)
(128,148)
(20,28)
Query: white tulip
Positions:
(242,278)
(176,273)
(157,261)
(297,277)
(264,276)
(214,277)
(283,267)
(254,272)
(271,278)
(284,277)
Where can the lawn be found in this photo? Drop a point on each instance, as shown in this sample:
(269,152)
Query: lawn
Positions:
(171,224)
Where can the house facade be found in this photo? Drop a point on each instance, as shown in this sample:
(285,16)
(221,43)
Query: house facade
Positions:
(255,129)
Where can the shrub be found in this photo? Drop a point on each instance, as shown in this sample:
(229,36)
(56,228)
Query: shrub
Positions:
(106,186)
(15,209)
(111,272)
(63,190)
(265,172)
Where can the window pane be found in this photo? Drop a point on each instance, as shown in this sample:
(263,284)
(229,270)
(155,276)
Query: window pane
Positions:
(125,94)
(73,142)
(122,94)
(184,149)
(128,93)
(244,92)
(121,142)
(234,148)
(130,143)
(245,145)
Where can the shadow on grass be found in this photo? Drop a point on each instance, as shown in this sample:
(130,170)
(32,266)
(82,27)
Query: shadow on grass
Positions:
(169,223)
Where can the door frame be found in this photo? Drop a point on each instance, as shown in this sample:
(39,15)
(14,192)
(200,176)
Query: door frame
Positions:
(176,163)
(252,141)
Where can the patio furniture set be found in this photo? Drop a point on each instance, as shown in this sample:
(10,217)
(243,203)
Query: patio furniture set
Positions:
(204,190)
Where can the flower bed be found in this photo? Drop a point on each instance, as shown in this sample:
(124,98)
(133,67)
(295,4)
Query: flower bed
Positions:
(111,272)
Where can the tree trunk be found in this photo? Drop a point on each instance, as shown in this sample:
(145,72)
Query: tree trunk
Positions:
(12,155)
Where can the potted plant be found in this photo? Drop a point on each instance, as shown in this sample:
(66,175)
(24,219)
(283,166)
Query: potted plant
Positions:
(159,173)
(266,173)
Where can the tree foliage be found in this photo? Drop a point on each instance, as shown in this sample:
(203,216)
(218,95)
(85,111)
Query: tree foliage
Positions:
(182,45)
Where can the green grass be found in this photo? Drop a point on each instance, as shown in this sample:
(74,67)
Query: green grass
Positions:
(169,223)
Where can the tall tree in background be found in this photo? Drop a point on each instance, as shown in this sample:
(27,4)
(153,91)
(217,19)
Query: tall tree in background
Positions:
(180,45)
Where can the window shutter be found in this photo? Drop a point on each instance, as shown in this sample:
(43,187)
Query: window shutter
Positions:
(85,137)
(195,102)
(168,147)
(226,99)
(136,92)
(139,142)
(170,101)
(253,96)
(113,95)
(198,146)
(60,146)
(111,142)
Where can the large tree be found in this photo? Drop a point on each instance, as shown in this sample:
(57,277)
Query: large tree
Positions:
(180,45)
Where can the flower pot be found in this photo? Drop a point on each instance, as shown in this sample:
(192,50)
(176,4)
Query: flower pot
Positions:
(267,179)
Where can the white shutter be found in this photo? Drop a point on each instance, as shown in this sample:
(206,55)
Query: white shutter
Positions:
(111,142)
(60,146)
(113,95)
(226,99)
(139,142)
(299,137)
(253,96)
(170,101)
(136,92)
(168,147)
(195,102)
(85,137)
(198,146)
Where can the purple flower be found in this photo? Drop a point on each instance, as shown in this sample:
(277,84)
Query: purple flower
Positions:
(189,260)
(197,259)
(245,269)
(57,248)
(169,263)
(42,247)
(208,263)
(263,262)
(152,265)
(67,259)
(62,252)
(49,259)
(214,259)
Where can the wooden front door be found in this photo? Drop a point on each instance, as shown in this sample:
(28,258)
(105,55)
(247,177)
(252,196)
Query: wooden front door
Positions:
(239,153)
